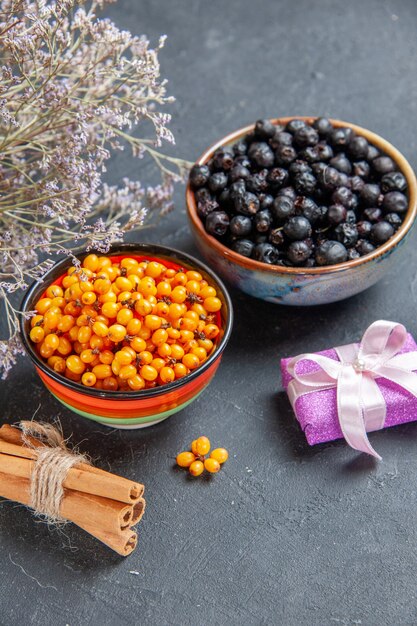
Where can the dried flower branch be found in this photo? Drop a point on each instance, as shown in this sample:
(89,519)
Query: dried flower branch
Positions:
(72,89)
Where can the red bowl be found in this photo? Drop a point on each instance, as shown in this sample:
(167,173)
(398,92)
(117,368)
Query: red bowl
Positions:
(131,409)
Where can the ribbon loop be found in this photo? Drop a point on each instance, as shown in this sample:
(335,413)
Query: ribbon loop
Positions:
(361,407)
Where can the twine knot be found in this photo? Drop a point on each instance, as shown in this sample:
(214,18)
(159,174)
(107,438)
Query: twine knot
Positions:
(53,462)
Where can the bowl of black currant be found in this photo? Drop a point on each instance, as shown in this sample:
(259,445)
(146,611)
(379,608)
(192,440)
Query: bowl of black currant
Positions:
(301,211)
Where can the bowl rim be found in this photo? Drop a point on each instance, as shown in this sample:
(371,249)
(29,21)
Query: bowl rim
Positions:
(117,249)
(252,264)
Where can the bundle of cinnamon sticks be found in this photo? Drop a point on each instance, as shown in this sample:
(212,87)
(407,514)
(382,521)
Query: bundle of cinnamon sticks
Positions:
(103,504)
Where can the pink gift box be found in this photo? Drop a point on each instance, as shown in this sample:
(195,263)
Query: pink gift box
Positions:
(316,412)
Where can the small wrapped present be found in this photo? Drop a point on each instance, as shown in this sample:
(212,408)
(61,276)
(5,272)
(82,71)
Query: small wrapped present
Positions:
(357,388)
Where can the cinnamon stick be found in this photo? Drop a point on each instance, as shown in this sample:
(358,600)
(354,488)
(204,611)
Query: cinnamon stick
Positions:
(81,508)
(123,542)
(82,477)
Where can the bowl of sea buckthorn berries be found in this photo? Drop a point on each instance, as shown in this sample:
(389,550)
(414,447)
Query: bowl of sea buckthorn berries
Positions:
(130,337)
(301,211)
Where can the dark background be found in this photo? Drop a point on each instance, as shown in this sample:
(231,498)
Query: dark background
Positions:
(285,534)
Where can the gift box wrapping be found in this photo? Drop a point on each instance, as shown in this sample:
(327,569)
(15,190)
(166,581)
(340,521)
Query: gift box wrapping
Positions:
(316,412)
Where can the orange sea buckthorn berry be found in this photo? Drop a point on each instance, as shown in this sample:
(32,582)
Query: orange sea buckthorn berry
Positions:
(143,307)
(188,324)
(123,357)
(147,286)
(128,371)
(145,333)
(179,295)
(106,356)
(202,445)
(124,316)
(91,262)
(180,370)
(207,344)
(117,332)
(136,382)
(87,356)
(110,383)
(54,291)
(88,297)
(45,351)
(103,261)
(158,363)
(167,374)
(96,342)
(116,366)
(145,357)
(138,344)
(154,269)
(159,337)
(84,334)
(200,353)
(86,286)
(153,322)
(173,333)
(59,302)
(196,468)
(75,365)
(72,376)
(123,283)
(110,296)
(207,292)
(148,372)
(129,350)
(37,334)
(100,329)
(175,311)
(134,281)
(69,280)
(133,326)
(88,379)
(177,351)
(102,285)
(128,264)
(184,459)
(65,323)
(113,272)
(212,304)
(64,346)
(110,309)
(163,289)
(211,465)
(103,370)
(36,320)
(194,447)
(52,341)
(164,350)
(169,274)
(211,331)
(193,286)
(180,279)
(194,275)
(57,363)
(186,335)
(220,454)
(43,305)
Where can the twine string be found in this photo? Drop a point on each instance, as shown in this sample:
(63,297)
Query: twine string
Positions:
(53,462)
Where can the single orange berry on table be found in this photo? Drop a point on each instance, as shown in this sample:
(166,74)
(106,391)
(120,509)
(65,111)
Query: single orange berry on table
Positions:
(211,465)
(194,447)
(220,455)
(184,459)
(202,445)
(196,468)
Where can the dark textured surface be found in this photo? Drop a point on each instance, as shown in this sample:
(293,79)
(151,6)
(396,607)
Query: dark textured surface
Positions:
(285,534)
